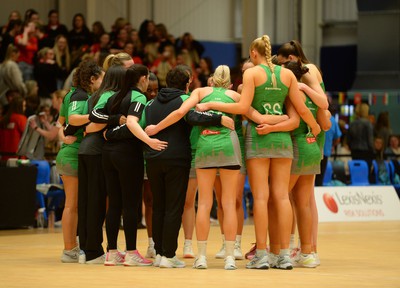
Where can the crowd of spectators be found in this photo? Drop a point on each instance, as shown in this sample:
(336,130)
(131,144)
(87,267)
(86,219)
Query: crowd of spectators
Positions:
(38,57)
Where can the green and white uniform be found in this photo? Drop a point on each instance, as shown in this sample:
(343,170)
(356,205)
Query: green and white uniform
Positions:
(217,146)
(306,152)
(269,100)
(239,131)
(67,157)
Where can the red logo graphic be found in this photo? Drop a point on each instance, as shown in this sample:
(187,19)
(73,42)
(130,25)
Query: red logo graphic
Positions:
(330,203)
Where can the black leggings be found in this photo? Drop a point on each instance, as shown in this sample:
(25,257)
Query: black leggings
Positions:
(91,205)
(124,172)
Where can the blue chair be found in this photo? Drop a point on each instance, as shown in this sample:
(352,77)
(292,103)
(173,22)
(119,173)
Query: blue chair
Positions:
(55,196)
(328,174)
(358,172)
(380,180)
(246,194)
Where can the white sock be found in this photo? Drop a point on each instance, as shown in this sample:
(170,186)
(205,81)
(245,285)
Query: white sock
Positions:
(202,248)
(223,238)
(151,242)
(229,247)
(188,242)
(284,252)
(261,253)
(291,245)
(239,240)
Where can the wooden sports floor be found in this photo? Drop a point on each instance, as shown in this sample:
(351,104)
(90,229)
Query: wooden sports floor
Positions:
(363,254)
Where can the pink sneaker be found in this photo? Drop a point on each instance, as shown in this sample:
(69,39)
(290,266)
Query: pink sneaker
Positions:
(114,258)
(250,255)
(133,258)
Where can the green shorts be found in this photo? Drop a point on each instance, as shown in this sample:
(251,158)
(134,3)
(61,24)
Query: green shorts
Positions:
(67,161)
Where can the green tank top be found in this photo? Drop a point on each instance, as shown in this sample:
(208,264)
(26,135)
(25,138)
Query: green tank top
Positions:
(303,127)
(268,99)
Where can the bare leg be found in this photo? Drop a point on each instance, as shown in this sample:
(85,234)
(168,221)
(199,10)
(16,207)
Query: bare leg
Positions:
(239,203)
(70,213)
(258,170)
(314,215)
(205,178)
(228,200)
(220,209)
(279,185)
(189,214)
(301,195)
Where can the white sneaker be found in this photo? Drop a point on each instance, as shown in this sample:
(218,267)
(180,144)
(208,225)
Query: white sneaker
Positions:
(237,252)
(221,253)
(188,251)
(157,261)
(70,256)
(258,262)
(82,257)
(98,260)
(280,261)
(230,263)
(151,252)
(317,258)
(200,262)
(173,262)
(305,260)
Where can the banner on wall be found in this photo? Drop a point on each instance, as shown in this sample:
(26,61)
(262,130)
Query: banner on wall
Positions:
(357,203)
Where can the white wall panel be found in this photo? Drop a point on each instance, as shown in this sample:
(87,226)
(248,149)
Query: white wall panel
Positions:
(106,11)
(205,19)
(340,10)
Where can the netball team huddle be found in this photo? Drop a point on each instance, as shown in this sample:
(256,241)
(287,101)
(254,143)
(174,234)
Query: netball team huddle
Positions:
(121,136)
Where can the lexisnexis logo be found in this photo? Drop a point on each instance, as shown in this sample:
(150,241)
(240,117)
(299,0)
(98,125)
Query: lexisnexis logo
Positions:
(330,203)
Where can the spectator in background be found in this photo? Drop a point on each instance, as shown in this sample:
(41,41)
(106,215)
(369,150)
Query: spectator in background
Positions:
(134,38)
(46,73)
(79,39)
(129,48)
(8,37)
(332,138)
(119,42)
(97,31)
(12,125)
(14,15)
(379,148)
(54,28)
(101,50)
(31,15)
(119,24)
(360,137)
(382,128)
(162,38)
(32,97)
(147,31)
(195,48)
(204,70)
(10,75)
(63,58)
(393,150)
(43,40)
(27,44)
(163,64)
